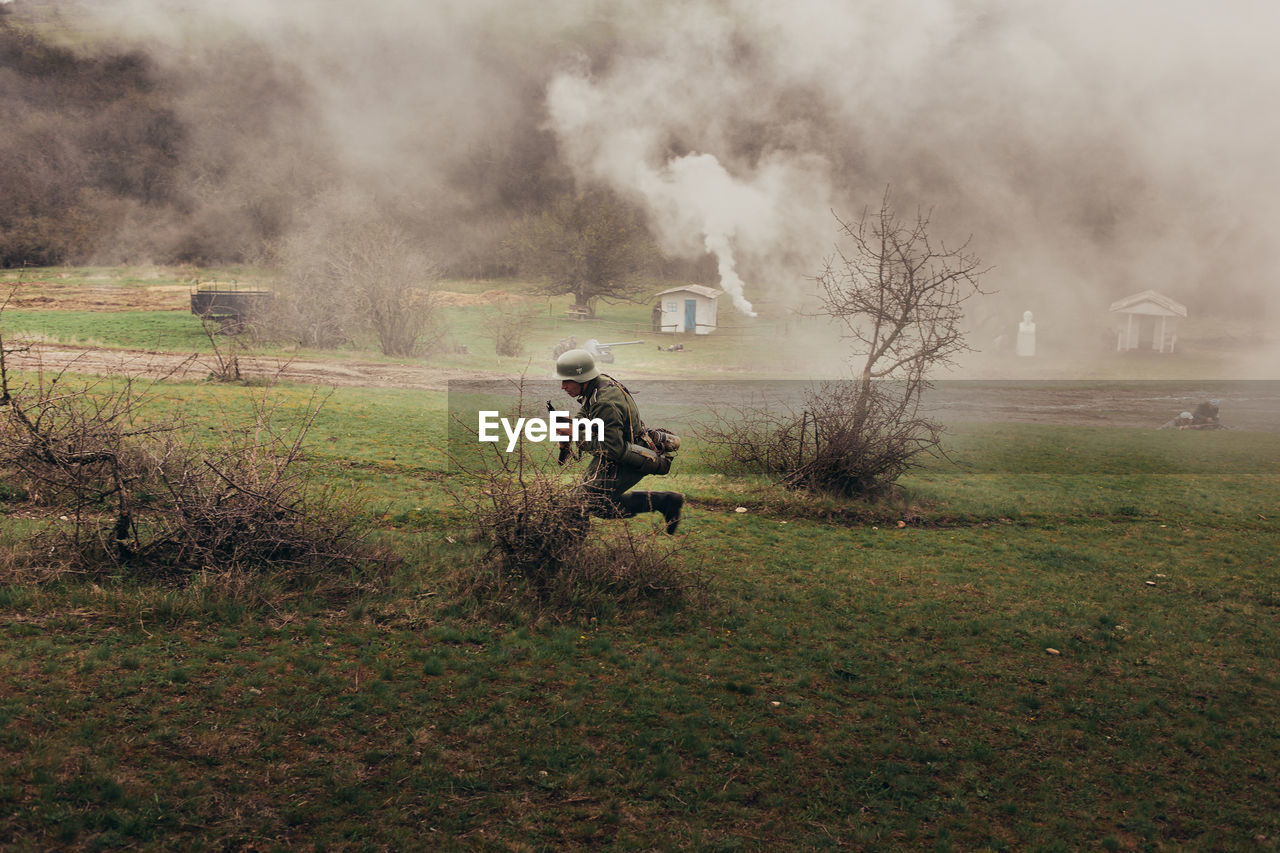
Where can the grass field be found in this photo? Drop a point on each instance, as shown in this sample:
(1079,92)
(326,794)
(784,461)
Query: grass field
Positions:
(149,310)
(839,681)
(1059,638)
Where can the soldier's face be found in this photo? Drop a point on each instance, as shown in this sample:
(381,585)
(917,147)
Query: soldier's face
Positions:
(568,386)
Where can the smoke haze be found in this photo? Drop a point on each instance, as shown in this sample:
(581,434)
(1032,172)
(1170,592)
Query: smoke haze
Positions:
(1090,149)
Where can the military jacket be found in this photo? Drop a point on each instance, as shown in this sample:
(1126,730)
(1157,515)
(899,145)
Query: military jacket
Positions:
(609,402)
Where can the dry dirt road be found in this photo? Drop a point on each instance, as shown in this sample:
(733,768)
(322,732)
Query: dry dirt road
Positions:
(157,365)
(1247,405)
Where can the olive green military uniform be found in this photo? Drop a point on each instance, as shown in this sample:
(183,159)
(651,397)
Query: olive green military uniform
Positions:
(608,480)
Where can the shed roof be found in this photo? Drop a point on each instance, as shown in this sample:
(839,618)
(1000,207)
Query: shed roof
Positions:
(699,289)
(1129,303)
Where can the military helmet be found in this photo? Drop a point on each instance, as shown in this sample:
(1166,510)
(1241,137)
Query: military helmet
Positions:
(577,365)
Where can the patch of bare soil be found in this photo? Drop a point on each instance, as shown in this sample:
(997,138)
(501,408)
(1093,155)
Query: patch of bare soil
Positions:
(54,294)
(51,294)
(1245,405)
(162,365)
(489,297)
(80,296)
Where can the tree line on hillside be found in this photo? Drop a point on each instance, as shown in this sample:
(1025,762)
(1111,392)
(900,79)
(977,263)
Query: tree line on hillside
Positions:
(100,165)
(103,161)
(87,141)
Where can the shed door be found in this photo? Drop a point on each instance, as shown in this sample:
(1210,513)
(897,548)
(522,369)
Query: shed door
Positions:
(690,315)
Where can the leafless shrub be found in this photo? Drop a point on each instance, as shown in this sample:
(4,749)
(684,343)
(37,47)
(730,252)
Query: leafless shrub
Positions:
(354,277)
(899,296)
(844,441)
(225,366)
(153,501)
(544,560)
(74,447)
(309,308)
(509,329)
(249,503)
(227,350)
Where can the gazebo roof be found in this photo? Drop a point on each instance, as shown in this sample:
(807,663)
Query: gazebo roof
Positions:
(699,289)
(1133,304)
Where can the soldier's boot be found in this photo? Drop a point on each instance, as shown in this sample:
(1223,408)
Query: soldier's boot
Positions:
(632,504)
(667,503)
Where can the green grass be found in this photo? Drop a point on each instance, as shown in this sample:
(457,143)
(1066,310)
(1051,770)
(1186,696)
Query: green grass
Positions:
(777,344)
(172,331)
(746,344)
(848,682)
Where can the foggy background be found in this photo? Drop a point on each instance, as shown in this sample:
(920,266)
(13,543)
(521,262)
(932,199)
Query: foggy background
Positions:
(1091,150)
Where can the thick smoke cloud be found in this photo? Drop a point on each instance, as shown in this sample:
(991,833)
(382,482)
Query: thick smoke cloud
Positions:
(1091,149)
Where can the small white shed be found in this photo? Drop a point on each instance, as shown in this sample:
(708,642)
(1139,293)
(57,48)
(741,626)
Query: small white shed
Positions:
(1151,321)
(691,308)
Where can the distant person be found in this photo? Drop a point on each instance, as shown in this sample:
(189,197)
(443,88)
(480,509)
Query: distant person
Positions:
(564,346)
(1205,414)
(620,460)
(1181,421)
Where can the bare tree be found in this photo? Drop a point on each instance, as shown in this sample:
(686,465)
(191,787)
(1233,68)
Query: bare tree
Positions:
(899,297)
(393,282)
(358,276)
(5,349)
(592,245)
(309,309)
(509,328)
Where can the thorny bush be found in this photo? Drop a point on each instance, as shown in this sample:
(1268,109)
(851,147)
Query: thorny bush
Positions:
(152,500)
(843,441)
(509,330)
(543,557)
(899,296)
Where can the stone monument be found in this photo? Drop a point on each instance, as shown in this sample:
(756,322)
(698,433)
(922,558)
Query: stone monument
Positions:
(1026,335)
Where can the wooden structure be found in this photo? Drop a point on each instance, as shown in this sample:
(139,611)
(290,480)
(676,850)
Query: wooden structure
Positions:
(230,304)
(1151,322)
(691,308)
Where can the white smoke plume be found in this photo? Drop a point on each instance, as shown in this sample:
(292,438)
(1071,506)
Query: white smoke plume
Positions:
(696,204)
(1092,149)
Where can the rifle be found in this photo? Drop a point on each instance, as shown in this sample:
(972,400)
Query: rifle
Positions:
(565,446)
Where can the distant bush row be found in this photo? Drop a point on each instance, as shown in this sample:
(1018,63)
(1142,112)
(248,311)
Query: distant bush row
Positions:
(89,143)
(109,158)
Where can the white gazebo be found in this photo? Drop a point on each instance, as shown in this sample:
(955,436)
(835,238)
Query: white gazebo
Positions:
(1152,321)
(691,308)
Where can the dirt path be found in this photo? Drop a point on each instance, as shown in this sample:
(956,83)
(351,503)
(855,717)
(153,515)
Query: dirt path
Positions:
(1246,405)
(157,365)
